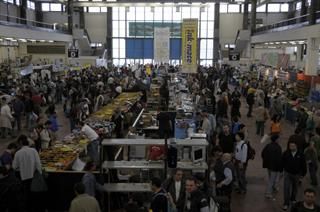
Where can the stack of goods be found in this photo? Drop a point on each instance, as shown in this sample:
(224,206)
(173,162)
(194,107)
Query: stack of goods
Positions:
(124,101)
(62,155)
(302,89)
(154,97)
(102,127)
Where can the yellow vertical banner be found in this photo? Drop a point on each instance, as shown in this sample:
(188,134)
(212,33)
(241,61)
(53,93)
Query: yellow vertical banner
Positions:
(189,45)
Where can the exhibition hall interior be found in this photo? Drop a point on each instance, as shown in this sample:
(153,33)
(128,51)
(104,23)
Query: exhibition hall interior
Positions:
(159,105)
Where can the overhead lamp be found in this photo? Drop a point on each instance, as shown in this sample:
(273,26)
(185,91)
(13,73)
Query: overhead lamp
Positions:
(42,41)
(111,0)
(277,42)
(50,41)
(271,43)
(9,38)
(32,40)
(23,40)
(284,42)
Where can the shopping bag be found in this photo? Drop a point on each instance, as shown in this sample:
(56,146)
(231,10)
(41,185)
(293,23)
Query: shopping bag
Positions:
(265,138)
(38,183)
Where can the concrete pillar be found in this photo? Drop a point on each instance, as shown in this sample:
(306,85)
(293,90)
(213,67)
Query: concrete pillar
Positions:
(312,59)
(109,37)
(299,56)
(312,11)
(216,34)
(23,11)
(253,15)
(292,10)
(304,8)
(38,13)
(82,22)
(245,22)
(70,15)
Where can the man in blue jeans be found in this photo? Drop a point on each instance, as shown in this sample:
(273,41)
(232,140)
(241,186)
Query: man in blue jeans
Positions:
(272,160)
(93,146)
(294,165)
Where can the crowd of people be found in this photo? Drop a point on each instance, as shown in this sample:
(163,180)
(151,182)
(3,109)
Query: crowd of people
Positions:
(217,114)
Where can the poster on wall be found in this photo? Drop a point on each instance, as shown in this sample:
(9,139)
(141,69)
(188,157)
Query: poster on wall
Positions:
(161,45)
(189,45)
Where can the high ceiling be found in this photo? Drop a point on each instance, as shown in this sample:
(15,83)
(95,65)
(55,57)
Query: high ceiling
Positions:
(105,2)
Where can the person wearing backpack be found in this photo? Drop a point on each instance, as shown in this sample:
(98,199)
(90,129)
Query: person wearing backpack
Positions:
(272,161)
(241,153)
(159,201)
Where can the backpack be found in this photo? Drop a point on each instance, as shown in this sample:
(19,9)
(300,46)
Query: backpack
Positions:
(235,128)
(251,153)
(170,207)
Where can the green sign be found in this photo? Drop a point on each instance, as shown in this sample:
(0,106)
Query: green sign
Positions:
(147,28)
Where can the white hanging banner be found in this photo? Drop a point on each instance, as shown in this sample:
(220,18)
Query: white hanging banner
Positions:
(161,44)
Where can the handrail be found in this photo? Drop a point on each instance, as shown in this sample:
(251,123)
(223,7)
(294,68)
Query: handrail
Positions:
(302,20)
(7,19)
(87,34)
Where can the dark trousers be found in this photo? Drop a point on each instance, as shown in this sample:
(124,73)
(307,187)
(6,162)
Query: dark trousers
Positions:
(313,173)
(17,119)
(290,187)
(35,201)
(249,114)
(224,198)
(260,128)
(241,177)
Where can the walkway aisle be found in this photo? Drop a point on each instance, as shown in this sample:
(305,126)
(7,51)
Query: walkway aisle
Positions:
(254,200)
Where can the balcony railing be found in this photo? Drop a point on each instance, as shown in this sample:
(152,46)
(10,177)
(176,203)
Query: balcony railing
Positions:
(292,23)
(30,24)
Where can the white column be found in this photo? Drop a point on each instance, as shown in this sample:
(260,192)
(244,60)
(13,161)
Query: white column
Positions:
(312,59)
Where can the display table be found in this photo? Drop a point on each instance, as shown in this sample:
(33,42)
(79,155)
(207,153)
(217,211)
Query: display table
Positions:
(63,153)
(124,101)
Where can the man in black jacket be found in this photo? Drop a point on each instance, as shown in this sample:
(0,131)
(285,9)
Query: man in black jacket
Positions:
(250,102)
(196,201)
(159,201)
(294,165)
(309,203)
(224,180)
(226,140)
(11,198)
(272,160)
(175,185)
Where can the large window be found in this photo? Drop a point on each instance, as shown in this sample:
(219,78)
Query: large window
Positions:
(53,7)
(273,8)
(30,5)
(284,8)
(233,8)
(298,6)
(133,29)
(261,9)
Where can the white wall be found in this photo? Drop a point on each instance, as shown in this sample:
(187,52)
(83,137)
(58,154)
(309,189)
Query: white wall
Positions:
(55,17)
(229,26)
(96,24)
(8,52)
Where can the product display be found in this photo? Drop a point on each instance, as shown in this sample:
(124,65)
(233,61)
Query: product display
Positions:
(124,101)
(63,153)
